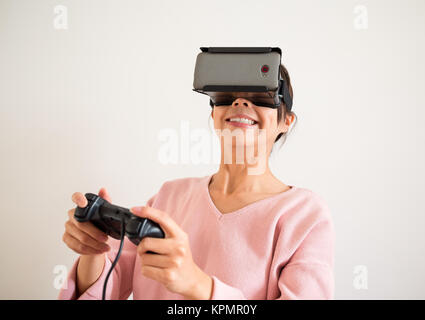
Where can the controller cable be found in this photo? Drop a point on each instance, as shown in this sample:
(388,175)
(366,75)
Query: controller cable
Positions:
(116,258)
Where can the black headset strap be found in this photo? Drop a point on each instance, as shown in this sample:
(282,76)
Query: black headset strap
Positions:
(284,93)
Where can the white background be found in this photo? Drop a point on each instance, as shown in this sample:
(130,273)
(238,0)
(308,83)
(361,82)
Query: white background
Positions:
(82,108)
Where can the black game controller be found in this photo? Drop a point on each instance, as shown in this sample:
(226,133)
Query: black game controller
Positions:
(108,218)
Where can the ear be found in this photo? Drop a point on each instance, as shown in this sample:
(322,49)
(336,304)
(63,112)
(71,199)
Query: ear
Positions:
(284,125)
(289,119)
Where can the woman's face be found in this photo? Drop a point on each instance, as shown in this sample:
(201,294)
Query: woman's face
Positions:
(246,116)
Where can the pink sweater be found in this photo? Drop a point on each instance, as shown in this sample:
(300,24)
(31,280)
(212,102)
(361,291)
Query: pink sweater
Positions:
(281,247)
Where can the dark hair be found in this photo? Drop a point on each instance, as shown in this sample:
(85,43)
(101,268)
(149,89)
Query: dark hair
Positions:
(282,112)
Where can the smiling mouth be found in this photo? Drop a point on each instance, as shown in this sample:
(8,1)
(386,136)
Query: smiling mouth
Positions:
(242,120)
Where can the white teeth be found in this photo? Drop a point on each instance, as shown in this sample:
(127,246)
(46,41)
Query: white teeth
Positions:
(242,120)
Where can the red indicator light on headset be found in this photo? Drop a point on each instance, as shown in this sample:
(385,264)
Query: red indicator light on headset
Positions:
(265,68)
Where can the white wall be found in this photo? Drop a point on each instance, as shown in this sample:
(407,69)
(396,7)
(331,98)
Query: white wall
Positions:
(83,107)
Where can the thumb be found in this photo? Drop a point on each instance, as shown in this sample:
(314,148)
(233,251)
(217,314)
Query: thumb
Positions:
(104,194)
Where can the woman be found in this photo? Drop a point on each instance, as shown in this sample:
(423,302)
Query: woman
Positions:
(237,234)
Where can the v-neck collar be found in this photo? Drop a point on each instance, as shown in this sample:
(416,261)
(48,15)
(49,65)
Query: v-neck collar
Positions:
(238,212)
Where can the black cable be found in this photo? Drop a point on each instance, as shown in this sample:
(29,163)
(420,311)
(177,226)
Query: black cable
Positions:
(116,259)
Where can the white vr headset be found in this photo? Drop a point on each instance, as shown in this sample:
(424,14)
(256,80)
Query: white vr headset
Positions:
(253,73)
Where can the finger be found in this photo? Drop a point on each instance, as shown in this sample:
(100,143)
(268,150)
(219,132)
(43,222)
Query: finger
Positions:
(156,260)
(157,245)
(84,238)
(79,199)
(168,225)
(90,229)
(104,194)
(71,213)
(77,246)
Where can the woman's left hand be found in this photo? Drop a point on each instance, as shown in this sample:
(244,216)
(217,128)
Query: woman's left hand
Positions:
(173,265)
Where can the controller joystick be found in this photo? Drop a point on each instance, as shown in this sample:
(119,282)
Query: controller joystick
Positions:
(108,218)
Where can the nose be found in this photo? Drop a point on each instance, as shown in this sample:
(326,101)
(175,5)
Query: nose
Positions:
(241,102)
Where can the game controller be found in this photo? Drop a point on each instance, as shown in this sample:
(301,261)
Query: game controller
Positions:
(108,218)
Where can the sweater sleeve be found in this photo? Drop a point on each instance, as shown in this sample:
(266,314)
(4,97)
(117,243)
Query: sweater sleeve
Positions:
(120,282)
(307,275)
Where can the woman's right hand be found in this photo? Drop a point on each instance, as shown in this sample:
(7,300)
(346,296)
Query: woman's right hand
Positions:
(83,237)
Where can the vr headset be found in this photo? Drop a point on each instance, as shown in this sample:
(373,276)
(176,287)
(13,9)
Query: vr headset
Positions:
(253,73)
